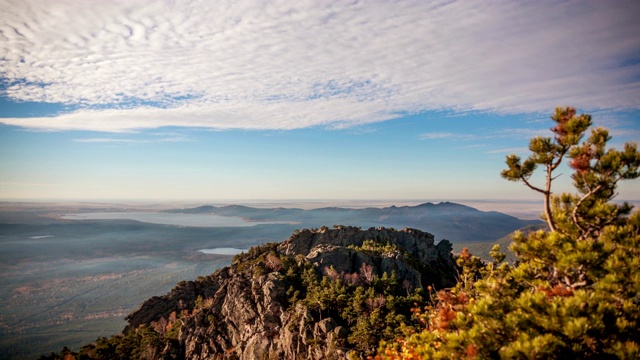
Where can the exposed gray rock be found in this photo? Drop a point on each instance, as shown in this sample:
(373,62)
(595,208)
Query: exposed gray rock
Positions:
(243,311)
(416,242)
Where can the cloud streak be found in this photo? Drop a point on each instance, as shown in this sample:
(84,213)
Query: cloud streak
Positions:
(446,135)
(287,65)
(518,150)
(129,141)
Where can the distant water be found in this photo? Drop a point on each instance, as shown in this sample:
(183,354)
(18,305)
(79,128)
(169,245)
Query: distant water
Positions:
(196,220)
(222,251)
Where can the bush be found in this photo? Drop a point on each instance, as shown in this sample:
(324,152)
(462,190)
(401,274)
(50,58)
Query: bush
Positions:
(574,291)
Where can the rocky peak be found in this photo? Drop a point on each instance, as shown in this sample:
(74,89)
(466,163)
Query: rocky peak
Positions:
(327,248)
(416,242)
(322,293)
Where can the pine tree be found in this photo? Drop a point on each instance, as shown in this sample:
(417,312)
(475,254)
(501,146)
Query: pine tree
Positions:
(549,152)
(575,290)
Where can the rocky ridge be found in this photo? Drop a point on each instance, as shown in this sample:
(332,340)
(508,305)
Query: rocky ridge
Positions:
(311,296)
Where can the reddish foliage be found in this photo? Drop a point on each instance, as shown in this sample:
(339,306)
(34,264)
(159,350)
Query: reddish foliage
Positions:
(581,162)
(465,254)
(444,317)
(472,351)
(560,129)
(558,290)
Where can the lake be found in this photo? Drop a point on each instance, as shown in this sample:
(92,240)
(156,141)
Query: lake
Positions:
(223,251)
(195,220)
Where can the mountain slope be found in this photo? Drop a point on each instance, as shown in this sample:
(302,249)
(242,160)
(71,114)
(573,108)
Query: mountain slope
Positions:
(319,294)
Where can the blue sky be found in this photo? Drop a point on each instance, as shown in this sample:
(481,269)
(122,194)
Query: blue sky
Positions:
(152,100)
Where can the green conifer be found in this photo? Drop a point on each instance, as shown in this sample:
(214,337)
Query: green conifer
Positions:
(574,292)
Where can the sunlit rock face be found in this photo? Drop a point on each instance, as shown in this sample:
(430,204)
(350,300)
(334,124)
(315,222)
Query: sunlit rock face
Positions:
(245,311)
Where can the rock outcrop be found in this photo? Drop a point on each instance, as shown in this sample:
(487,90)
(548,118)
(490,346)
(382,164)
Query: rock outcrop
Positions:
(255,308)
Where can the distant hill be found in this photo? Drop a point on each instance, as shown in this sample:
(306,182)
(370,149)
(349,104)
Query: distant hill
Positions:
(454,222)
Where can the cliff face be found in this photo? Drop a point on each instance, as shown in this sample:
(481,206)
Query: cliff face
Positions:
(307,297)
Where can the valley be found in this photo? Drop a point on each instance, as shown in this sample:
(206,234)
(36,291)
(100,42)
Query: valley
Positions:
(67,280)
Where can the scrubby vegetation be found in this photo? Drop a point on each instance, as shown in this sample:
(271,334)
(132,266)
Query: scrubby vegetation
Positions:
(574,291)
(370,308)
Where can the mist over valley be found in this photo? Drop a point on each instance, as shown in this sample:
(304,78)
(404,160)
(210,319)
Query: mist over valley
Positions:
(72,272)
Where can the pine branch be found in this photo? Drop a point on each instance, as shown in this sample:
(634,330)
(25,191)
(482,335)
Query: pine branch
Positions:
(526,182)
(574,213)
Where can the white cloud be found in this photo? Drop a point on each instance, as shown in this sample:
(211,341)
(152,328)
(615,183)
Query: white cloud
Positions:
(446,135)
(285,65)
(130,141)
(523,133)
(527,133)
(518,150)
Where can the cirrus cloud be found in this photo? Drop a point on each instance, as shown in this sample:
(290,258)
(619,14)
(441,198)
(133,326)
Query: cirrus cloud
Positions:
(287,65)
(446,135)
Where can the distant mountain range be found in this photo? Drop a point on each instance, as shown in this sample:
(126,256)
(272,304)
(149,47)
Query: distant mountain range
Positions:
(446,220)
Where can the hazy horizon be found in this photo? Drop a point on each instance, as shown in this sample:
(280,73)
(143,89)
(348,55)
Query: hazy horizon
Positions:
(522,209)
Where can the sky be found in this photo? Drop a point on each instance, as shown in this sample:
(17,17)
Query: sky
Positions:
(239,100)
